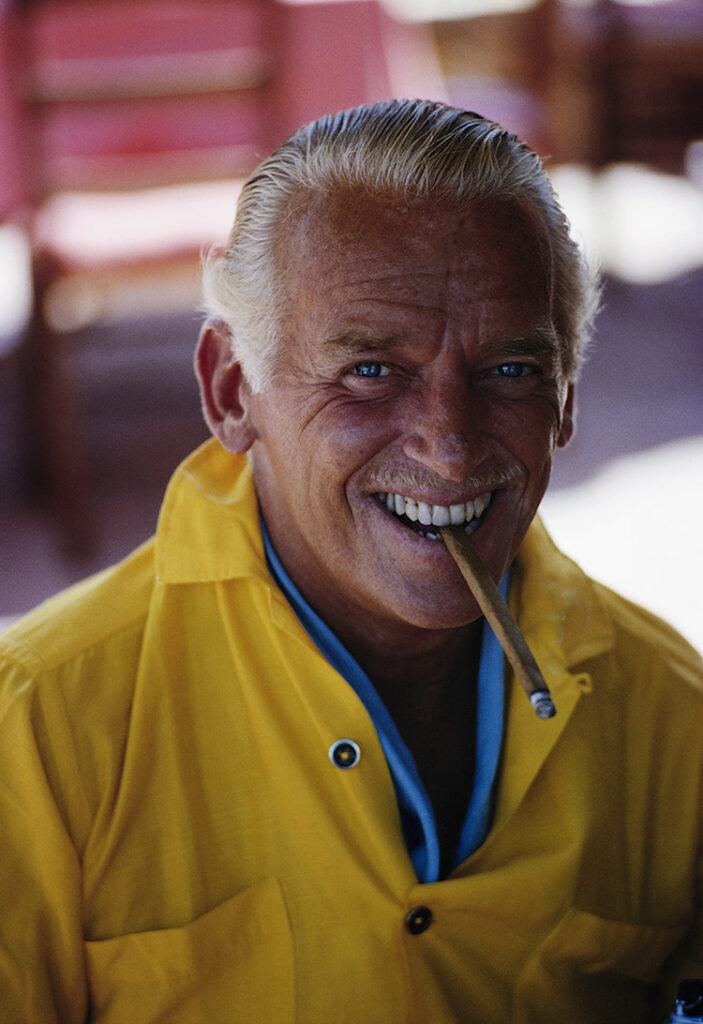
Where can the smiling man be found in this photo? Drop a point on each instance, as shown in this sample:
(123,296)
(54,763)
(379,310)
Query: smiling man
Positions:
(273,767)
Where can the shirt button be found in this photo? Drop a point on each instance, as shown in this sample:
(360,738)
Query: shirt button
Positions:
(418,920)
(345,753)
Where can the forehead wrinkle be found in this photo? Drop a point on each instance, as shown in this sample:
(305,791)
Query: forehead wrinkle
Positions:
(364,330)
(408,289)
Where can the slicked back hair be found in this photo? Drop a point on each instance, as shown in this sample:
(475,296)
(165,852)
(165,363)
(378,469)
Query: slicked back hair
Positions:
(414,149)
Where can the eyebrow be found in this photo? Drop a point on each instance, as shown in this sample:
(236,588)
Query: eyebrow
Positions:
(542,344)
(356,341)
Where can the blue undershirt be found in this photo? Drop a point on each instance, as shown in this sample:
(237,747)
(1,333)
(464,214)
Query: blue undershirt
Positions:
(419,826)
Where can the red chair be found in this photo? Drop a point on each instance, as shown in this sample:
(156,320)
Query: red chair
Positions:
(138,120)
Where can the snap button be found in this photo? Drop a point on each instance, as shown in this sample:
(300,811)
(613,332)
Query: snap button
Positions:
(345,753)
(418,920)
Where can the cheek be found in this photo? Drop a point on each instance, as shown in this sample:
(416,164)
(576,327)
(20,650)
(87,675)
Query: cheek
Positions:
(353,431)
(529,430)
(313,459)
(538,414)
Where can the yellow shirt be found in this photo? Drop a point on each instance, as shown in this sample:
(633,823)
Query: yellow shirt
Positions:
(177,845)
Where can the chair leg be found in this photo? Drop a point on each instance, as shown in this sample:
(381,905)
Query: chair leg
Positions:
(56,471)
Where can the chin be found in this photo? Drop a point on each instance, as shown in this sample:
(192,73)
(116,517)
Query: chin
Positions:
(454,612)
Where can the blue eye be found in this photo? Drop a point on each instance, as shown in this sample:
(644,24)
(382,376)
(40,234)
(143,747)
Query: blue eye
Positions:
(370,370)
(513,370)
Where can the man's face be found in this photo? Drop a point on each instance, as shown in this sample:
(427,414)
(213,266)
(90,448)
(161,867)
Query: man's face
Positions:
(418,360)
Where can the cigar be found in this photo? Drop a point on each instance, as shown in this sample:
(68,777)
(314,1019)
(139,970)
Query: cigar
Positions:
(491,603)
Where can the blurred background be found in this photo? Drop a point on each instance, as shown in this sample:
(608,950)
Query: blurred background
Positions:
(126,127)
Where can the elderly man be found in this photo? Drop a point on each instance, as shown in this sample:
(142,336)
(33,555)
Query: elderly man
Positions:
(272,767)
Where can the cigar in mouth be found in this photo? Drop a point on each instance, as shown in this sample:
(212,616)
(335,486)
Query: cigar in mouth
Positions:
(490,601)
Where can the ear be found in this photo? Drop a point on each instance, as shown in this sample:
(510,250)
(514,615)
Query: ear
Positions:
(224,390)
(567,419)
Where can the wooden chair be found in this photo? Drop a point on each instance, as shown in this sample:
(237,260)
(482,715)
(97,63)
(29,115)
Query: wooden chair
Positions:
(585,82)
(650,87)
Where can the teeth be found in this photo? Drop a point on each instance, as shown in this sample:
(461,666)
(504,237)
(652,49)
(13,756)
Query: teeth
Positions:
(411,509)
(436,515)
(424,513)
(440,515)
(457,514)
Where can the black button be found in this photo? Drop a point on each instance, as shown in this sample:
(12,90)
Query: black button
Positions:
(345,753)
(418,920)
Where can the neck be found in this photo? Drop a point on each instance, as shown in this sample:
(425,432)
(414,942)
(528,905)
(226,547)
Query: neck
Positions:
(428,663)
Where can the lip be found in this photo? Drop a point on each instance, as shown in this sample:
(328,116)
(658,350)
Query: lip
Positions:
(435,497)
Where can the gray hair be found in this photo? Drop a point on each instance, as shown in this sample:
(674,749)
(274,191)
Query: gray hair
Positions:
(418,149)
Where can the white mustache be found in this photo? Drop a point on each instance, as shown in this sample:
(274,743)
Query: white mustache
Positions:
(399,481)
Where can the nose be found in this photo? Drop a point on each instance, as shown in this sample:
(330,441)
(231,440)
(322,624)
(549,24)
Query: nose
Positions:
(448,434)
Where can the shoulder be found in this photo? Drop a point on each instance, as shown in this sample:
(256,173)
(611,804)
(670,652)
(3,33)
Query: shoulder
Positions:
(97,621)
(68,672)
(570,616)
(647,644)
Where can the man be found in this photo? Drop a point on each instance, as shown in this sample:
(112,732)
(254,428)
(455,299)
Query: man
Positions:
(271,768)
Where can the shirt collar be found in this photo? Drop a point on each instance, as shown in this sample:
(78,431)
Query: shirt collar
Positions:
(209,530)
(557,606)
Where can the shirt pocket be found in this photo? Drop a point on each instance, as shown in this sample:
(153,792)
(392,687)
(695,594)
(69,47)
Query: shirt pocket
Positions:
(592,969)
(235,963)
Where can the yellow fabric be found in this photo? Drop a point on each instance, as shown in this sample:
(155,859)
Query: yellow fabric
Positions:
(176,844)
